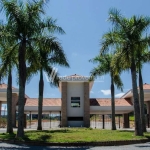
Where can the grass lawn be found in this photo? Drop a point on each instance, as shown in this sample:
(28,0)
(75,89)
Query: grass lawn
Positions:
(77,135)
(131,118)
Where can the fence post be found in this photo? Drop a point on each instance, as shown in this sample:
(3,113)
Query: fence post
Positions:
(103,116)
(119,121)
(50,119)
(95,121)
(148,120)
(60,119)
(30,119)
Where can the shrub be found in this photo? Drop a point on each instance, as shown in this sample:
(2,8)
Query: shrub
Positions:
(3,122)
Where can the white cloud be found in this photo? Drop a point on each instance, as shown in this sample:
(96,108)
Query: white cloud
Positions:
(106,92)
(91,92)
(119,95)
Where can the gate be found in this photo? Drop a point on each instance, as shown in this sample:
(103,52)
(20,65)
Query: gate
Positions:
(104,121)
(51,120)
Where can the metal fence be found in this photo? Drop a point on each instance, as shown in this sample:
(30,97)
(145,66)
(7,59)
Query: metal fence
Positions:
(52,120)
(104,121)
(3,119)
(48,120)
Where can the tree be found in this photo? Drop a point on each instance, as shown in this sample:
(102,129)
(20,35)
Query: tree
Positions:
(141,59)
(125,38)
(8,61)
(25,25)
(49,52)
(104,67)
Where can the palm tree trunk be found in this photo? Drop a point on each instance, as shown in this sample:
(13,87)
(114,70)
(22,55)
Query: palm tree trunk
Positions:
(142,101)
(137,121)
(22,80)
(40,102)
(113,104)
(9,103)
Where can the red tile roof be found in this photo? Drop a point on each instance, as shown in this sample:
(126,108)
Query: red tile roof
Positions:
(46,102)
(107,102)
(93,102)
(4,86)
(146,86)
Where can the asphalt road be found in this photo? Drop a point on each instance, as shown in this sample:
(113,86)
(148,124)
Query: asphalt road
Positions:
(145,146)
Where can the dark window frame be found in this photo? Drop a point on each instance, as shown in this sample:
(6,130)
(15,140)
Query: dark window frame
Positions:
(75,100)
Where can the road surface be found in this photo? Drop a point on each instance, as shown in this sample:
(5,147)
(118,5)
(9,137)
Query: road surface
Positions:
(4,146)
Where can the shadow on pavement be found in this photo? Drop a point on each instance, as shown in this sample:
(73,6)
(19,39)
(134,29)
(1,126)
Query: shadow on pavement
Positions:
(25,147)
(144,145)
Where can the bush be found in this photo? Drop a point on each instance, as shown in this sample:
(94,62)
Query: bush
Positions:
(3,122)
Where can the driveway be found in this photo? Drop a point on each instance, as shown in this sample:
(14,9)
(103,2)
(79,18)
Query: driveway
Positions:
(145,146)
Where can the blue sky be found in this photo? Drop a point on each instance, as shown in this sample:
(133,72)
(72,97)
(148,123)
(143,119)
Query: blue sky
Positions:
(85,21)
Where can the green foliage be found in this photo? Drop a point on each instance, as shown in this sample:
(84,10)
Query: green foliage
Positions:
(131,118)
(104,67)
(77,135)
(3,122)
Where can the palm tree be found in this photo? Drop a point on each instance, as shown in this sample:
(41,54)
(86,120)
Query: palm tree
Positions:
(24,19)
(141,59)
(26,26)
(104,67)
(48,53)
(125,38)
(8,61)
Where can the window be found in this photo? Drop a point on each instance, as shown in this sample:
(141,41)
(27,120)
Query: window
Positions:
(75,101)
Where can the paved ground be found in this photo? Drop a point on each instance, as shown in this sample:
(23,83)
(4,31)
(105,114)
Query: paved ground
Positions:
(4,146)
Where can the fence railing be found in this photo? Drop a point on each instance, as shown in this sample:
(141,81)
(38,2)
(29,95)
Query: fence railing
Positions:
(53,120)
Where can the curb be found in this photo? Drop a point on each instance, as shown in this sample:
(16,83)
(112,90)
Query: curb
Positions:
(107,143)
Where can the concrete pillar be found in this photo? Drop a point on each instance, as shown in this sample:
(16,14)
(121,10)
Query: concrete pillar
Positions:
(0,107)
(50,119)
(126,121)
(103,118)
(60,119)
(31,117)
(119,121)
(148,112)
(25,120)
(64,104)
(86,105)
(14,103)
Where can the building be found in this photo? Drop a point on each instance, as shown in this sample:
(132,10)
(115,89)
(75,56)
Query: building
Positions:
(75,106)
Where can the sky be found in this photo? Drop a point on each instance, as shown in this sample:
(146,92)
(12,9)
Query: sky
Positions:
(84,22)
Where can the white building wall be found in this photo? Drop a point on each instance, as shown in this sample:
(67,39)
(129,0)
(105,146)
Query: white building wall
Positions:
(75,89)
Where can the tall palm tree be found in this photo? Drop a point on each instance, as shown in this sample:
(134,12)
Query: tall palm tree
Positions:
(125,37)
(49,53)
(26,25)
(24,19)
(141,59)
(104,67)
(8,61)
